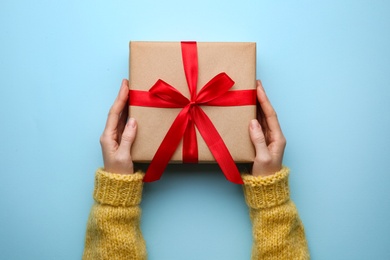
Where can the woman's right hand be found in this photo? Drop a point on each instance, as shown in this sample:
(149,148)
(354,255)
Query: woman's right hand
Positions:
(118,135)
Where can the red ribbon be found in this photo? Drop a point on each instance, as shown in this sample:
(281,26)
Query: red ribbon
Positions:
(214,93)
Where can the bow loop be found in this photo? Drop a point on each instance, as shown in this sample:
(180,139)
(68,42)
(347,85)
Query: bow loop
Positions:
(215,88)
(166,92)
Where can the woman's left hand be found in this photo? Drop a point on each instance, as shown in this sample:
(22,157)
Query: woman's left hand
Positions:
(267,137)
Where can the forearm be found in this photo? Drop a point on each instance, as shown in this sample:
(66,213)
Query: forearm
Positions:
(278,232)
(113,229)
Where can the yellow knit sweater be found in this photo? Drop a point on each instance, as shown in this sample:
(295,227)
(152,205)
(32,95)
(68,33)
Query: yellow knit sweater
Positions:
(113,229)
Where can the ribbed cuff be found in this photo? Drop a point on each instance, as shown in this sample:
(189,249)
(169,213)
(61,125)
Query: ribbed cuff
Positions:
(269,191)
(118,189)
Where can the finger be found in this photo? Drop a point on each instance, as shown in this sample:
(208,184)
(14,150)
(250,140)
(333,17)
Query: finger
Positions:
(270,115)
(257,137)
(263,122)
(122,121)
(116,109)
(128,136)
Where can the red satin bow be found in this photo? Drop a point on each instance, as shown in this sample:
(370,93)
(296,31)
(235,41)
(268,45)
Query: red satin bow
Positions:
(214,93)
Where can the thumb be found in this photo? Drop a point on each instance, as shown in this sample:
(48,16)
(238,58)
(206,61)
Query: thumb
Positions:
(257,137)
(128,136)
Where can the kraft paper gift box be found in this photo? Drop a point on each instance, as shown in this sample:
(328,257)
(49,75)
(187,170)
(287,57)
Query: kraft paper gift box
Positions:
(151,61)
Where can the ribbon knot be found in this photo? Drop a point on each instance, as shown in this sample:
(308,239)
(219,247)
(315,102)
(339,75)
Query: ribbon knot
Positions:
(214,93)
(192,103)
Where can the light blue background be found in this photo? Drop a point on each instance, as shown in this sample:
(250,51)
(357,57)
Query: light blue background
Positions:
(326,68)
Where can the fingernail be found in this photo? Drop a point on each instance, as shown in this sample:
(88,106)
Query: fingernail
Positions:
(254,124)
(131,122)
(125,83)
(259,84)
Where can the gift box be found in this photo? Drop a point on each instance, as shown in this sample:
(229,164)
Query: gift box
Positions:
(198,95)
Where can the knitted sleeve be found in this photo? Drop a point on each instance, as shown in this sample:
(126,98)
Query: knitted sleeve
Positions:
(278,232)
(113,228)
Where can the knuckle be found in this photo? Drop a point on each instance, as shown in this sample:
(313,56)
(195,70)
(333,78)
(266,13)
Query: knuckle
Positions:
(102,139)
(283,141)
(264,159)
(105,140)
(122,158)
(272,114)
(259,139)
(112,112)
(127,137)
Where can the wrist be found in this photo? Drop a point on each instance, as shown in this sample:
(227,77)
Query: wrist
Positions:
(258,171)
(119,169)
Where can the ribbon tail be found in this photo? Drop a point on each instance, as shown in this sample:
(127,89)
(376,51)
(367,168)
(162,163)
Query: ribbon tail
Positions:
(190,144)
(216,145)
(167,147)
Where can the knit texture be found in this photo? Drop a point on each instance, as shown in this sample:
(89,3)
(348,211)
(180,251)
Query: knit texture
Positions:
(123,190)
(265,192)
(278,232)
(113,228)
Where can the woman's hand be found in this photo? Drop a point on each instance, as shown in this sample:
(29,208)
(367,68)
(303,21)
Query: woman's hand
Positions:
(119,135)
(267,137)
